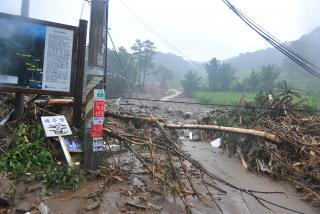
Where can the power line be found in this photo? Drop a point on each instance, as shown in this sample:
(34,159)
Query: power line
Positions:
(124,71)
(83,2)
(214,104)
(305,64)
(274,38)
(274,42)
(82,8)
(158,35)
(259,199)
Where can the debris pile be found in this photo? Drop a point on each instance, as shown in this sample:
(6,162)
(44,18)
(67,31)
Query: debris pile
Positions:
(293,155)
(155,146)
(273,139)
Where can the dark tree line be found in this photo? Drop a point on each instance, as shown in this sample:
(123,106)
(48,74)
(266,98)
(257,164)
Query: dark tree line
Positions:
(143,53)
(137,66)
(221,77)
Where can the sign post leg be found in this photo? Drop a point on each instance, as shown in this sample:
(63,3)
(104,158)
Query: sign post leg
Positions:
(78,86)
(19,108)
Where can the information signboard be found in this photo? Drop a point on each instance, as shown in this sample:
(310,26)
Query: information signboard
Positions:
(55,126)
(36,56)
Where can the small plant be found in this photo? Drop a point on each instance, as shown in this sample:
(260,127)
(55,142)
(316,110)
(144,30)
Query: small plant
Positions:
(62,178)
(31,156)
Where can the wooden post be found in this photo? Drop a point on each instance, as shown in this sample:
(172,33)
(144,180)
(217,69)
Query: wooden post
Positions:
(19,104)
(78,86)
(95,79)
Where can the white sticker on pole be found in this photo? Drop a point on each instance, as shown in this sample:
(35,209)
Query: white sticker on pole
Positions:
(97,144)
(55,126)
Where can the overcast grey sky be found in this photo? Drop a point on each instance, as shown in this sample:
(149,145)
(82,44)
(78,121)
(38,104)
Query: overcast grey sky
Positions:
(200,29)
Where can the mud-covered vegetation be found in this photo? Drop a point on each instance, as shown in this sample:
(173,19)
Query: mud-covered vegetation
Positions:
(294,156)
(31,157)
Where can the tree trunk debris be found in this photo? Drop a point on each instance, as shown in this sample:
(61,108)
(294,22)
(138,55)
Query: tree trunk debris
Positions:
(252,132)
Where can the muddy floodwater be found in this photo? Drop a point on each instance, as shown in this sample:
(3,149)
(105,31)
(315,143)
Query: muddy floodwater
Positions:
(231,170)
(214,160)
(136,190)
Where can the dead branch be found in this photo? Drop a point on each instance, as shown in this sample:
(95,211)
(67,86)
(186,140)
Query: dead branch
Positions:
(54,102)
(150,119)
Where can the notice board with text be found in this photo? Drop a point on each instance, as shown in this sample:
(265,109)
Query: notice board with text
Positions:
(36,56)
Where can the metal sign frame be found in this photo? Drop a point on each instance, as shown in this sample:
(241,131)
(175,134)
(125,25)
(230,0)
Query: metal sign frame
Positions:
(75,50)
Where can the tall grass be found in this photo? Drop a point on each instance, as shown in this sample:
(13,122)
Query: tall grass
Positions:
(223,98)
(234,98)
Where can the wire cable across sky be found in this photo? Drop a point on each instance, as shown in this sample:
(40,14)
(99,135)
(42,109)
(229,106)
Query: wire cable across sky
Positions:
(284,49)
(159,36)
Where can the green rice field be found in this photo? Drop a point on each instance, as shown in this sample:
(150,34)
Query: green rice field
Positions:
(233,98)
(223,98)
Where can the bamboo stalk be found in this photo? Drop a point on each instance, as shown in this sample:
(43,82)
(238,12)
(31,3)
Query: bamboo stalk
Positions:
(150,119)
(252,132)
(54,102)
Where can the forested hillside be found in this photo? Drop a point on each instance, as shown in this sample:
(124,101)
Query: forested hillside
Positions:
(178,64)
(308,46)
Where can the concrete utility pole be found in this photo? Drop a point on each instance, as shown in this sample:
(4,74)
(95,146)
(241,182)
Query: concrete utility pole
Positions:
(95,93)
(19,105)
(106,42)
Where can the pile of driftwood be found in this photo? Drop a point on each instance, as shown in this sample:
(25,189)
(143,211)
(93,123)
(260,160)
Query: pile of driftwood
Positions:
(264,146)
(167,164)
(288,146)
(154,143)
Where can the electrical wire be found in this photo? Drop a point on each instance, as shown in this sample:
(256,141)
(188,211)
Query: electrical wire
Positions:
(274,42)
(192,161)
(215,104)
(299,60)
(158,35)
(124,72)
(287,48)
(82,9)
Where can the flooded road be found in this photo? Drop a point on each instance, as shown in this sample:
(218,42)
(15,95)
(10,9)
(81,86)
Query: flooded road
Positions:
(231,170)
(150,198)
(172,94)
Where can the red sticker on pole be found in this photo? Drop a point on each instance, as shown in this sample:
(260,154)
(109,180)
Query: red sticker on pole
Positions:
(96,130)
(98,113)
(98,108)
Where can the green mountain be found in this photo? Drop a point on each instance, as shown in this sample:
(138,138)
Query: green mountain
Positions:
(178,65)
(245,62)
(308,46)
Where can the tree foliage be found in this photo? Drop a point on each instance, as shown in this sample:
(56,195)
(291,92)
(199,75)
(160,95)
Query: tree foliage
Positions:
(164,74)
(143,53)
(117,84)
(190,83)
(265,79)
(220,75)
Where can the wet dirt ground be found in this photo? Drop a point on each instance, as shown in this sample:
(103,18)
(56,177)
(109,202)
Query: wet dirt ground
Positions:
(231,170)
(138,189)
(216,161)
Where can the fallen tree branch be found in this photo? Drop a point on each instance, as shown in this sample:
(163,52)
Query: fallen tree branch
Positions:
(149,119)
(54,102)
(180,154)
(252,132)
